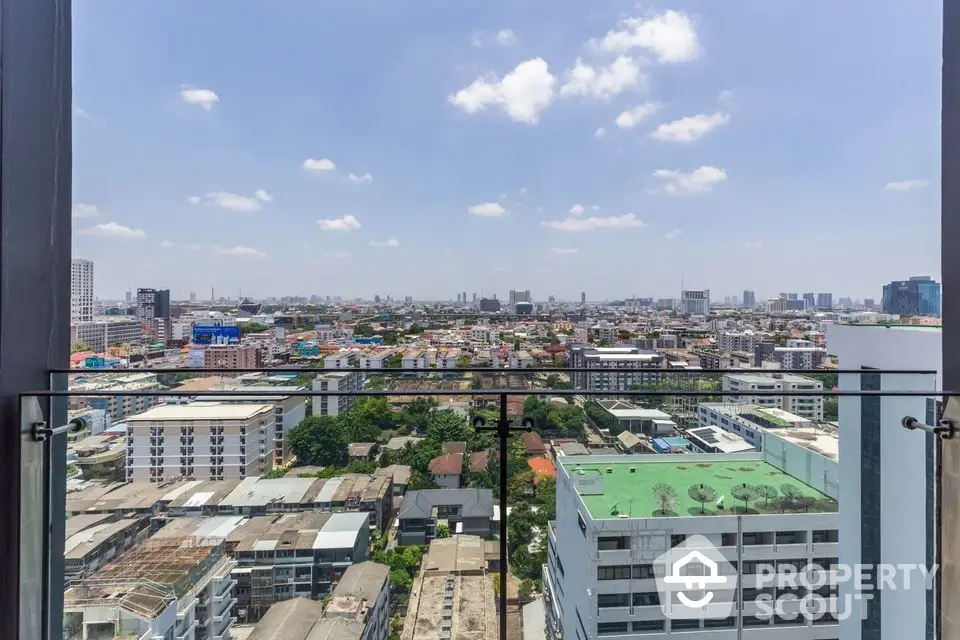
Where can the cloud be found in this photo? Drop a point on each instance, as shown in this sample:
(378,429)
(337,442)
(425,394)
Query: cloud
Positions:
(625,221)
(503,196)
(576,209)
(81,113)
(523,190)
(193,247)
(595,207)
(319,165)
(506,37)
(113,230)
(697,181)
(166,244)
(386,244)
(203,97)
(753,245)
(523,93)
(725,97)
(448,251)
(80,210)
(235,202)
(599,133)
(241,251)
(193,199)
(670,36)
(905,185)
(337,255)
(673,234)
(346,223)
(632,117)
(564,252)
(360,179)
(689,128)
(487,210)
(602,82)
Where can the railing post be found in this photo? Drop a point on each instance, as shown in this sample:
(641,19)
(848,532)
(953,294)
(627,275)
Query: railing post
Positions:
(503,432)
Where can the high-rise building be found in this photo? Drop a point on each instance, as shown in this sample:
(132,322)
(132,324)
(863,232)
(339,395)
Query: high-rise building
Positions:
(869,303)
(583,297)
(153,303)
(810,299)
(608,361)
(749,299)
(918,296)
(464,297)
(81,290)
(193,297)
(887,513)
(519,296)
(825,301)
(695,302)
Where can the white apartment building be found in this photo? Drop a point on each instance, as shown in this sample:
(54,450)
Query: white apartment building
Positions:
(165,588)
(288,412)
(81,290)
(605,332)
(799,357)
(738,341)
(888,513)
(333,405)
(794,343)
(447,358)
(115,407)
(521,360)
(102,334)
(377,359)
(807,407)
(695,302)
(201,440)
(415,359)
(607,361)
(340,360)
(749,421)
(599,580)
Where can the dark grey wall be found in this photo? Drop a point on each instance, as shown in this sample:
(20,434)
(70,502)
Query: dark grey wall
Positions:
(35,200)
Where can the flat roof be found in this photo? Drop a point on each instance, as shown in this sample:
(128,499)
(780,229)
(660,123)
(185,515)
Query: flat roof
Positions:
(823,441)
(201,411)
(632,492)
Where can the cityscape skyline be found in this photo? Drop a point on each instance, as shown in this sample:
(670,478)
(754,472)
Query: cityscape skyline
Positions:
(569,150)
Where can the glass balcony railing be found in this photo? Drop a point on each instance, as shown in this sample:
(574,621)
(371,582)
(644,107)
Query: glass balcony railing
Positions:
(426,482)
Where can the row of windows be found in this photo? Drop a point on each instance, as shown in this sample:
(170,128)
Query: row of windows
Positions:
(749,567)
(653,626)
(750,538)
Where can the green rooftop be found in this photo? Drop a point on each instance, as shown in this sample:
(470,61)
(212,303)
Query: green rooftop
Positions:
(632,494)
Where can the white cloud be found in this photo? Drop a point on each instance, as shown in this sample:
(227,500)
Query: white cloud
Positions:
(193,199)
(670,36)
(523,93)
(503,196)
(595,207)
(599,133)
(753,245)
(689,128)
(725,97)
(81,113)
(632,117)
(564,252)
(697,181)
(476,40)
(523,190)
(236,202)
(487,210)
(386,244)
(625,221)
(241,251)
(337,255)
(166,244)
(113,230)
(203,97)
(346,223)
(80,210)
(361,178)
(602,82)
(905,185)
(319,165)
(194,247)
(448,251)
(576,209)
(673,234)
(506,37)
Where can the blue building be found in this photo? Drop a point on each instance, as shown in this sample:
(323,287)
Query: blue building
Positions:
(918,296)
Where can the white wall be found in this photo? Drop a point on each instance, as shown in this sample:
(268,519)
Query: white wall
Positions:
(820,472)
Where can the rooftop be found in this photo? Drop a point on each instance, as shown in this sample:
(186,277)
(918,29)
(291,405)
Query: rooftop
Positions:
(201,411)
(822,440)
(608,487)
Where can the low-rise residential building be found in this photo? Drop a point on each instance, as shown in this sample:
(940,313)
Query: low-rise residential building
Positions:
(651,423)
(611,527)
(93,540)
(467,511)
(453,597)
(102,334)
(798,358)
(608,361)
(448,358)
(713,439)
(346,382)
(738,341)
(377,359)
(415,359)
(288,412)
(100,457)
(445,470)
(201,440)
(521,360)
(232,356)
(166,588)
(343,359)
(752,385)
(749,421)
(116,408)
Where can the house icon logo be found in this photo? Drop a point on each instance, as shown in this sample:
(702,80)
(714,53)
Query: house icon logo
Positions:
(695,581)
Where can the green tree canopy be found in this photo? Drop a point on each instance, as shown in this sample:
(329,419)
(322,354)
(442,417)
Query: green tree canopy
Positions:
(251,327)
(319,440)
(463,361)
(363,330)
(80,346)
(443,531)
(415,329)
(449,426)
(367,418)
(418,413)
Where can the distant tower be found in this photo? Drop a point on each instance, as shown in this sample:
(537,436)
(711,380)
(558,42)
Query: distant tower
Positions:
(212,298)
(583,297)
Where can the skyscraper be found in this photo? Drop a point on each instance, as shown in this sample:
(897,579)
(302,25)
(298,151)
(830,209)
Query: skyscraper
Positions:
(695,302)
(153,303)
(918,296)
(522,295)
(810,299)
(749,299)
(583,297)
(81,290)
(193,297)
(825,301)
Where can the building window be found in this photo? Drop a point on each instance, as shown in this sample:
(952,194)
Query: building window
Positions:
(725,623)
(825,535)
(616,572)
(643,572)
(608,600)
(647,626)
(613,543)
(678,625)
(646,599)
(582,523)
(612,628)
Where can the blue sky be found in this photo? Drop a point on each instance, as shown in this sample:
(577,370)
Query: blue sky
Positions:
(773,146)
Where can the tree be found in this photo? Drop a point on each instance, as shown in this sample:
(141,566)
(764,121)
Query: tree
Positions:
(319,440)
(747,493)
(448,426)
(537,410)
(251,327)
(516,344)
(415,329)
(519,486)
(443,531)
(623,334)
(400,580)
(417,414)
(830,409)
(367,418)
(419,481)
(552,381)
(703,494)
(363,330)
(525,590)
(463,361)
(394,362)
(275,473)
(567,419)
(80,346)
(666,497)
(546,497)
(496,584)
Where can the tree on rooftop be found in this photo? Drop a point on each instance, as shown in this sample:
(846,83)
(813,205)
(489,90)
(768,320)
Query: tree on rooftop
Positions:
(745,492)
(703,494)
(666,497)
